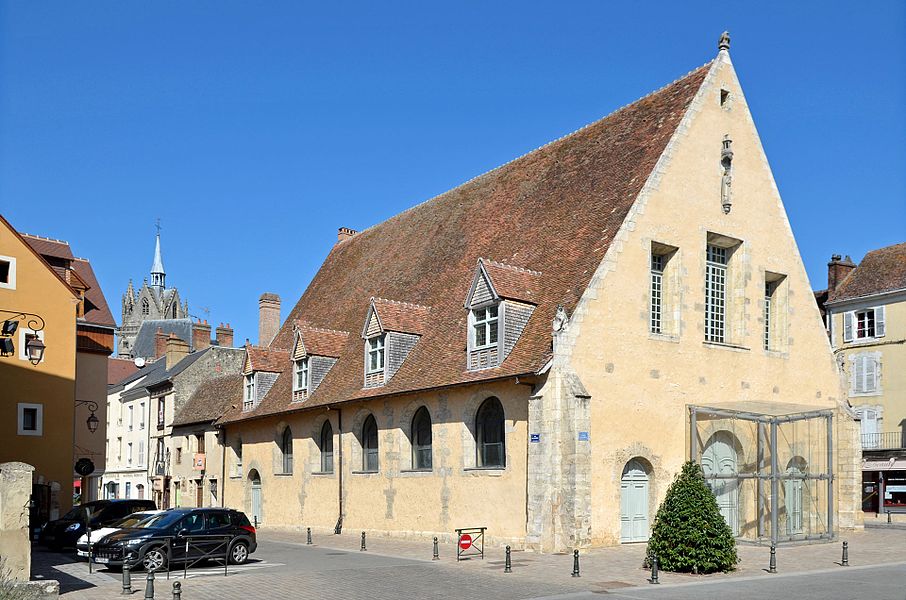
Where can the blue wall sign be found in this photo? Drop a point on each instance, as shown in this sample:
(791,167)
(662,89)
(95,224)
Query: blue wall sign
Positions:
(534,438)
(583,436)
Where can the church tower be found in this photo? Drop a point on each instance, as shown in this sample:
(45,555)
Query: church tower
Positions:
(154,306)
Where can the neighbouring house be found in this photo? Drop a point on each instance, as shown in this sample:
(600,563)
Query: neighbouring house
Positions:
(39,389)
(865,307)
(540,349)
(95,329)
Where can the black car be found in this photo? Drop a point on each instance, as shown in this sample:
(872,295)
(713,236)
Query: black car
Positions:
(64,532)
(180,535)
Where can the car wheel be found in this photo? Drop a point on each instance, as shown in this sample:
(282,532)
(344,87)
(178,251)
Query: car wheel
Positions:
(239,553)
(155,559)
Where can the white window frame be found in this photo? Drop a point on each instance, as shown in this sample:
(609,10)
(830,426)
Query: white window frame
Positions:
(865,374)
(23,350)
(656,317)
(480,317)
(375,346)
(716,279)
(851,324)
(249,395)
(301,367)
(38,431)
(131,417)
(10,283)
(141,416)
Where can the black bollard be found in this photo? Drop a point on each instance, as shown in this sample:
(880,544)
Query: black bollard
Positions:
(845,561)
(308,537)
(772,566)
(436,553)
(255,517)
(177,590)
(888,516)
(362,549)
(654,570)
(508,564)
(127,579)
(149,585)
(576,564)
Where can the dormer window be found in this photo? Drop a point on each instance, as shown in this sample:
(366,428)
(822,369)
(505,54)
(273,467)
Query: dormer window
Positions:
(485,326)
(314,353)
(249,398)
(300,379)
(374,359)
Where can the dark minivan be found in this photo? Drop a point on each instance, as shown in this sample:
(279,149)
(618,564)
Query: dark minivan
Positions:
(180,535)
(64,532)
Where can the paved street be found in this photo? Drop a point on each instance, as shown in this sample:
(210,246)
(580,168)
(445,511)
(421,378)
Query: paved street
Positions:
(284,567)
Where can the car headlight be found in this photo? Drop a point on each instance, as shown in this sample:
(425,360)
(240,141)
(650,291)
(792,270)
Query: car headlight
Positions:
(74,527)
(134,542)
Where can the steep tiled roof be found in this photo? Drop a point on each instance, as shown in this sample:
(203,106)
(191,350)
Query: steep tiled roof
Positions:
(210,400)
(882,270)
(272,360)
(96,310)
(554,211)
(513,283)
(322,342)
(49,246)
(404,317)
(119,369)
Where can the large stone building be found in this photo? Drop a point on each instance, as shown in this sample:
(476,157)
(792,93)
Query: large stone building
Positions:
(153,307)
(865,308)
(540,349)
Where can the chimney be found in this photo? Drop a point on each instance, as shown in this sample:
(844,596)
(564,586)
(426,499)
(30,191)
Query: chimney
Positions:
(177,350)
(201,335)
(224,335)
(268,318)
(344,233)
(837,270)
(160,343)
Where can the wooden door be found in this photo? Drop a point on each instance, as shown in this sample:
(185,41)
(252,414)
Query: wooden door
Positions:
(634,526)
(719,458)
(256,498)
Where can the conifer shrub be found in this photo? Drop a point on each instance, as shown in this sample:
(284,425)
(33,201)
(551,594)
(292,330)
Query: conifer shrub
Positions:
(689,533)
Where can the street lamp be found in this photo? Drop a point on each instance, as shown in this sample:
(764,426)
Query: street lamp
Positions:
(92,421)
(34,347)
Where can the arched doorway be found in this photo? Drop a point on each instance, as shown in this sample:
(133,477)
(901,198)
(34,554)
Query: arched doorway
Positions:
(255,483)
(720,459)
(792,490)
(634,526)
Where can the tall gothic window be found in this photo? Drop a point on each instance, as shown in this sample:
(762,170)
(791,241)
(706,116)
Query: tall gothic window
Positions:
(370,445)
(326,448)
(421,440)
(489,432)
(146,308)
(286,447)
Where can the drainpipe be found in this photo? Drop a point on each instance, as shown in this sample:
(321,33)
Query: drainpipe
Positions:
(339,527)
(221,435)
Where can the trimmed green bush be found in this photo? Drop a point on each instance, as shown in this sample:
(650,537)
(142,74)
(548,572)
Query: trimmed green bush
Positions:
(689,534)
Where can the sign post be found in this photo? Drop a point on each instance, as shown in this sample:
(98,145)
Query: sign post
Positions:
(469,543)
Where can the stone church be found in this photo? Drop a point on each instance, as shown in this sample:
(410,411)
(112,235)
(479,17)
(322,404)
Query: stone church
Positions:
(153,307)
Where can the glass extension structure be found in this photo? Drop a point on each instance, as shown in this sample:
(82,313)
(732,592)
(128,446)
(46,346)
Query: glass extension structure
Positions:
(770,466)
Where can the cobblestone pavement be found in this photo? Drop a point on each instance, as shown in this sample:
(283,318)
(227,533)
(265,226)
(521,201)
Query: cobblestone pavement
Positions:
(334,567)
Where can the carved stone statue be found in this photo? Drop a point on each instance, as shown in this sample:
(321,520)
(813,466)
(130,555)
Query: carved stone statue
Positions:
(561,320)
(724,42)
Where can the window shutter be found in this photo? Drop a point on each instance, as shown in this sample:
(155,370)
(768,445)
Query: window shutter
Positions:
(879,321)
(858,374)
(848,326)
(871,375)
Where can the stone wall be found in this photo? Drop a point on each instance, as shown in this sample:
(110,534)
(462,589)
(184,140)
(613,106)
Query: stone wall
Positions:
(15,492)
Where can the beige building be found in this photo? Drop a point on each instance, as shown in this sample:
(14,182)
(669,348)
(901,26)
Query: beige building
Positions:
(866,319)
(539,350)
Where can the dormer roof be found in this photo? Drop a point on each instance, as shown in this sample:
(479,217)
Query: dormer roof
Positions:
(317,341)
(494,281)
(391,315)
(271,360)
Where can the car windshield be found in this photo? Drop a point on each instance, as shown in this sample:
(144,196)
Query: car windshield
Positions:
(133,520)
(78,512)
(161,521)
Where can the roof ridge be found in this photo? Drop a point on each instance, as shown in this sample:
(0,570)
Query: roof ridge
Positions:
(41,237)
(541,147)
(511,267)
(300,323)
(411,304)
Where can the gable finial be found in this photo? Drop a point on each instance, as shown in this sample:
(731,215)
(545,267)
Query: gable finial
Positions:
(724,42)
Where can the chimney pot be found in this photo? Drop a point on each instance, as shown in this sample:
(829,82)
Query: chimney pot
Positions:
(344,233)
(268,318)
(177,349)
(837,271)
(201,335)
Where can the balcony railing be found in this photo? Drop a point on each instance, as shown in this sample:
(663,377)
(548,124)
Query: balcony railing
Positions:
(890,440)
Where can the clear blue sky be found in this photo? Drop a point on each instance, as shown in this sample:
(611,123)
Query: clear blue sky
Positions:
(253,130)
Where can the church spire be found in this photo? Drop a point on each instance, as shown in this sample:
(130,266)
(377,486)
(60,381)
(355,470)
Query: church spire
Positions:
(158,275)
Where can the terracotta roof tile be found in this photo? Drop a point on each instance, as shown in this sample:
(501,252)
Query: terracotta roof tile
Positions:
(272,360)
(514,283)
(97,311)
(882,270)
(48,246)
(210,400)
(119,369)
(322,342)
(404,317)
(555,210)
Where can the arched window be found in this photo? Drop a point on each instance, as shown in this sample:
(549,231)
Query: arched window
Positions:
(326,448)
(369,445)
(489,434)
(146,308)
(421,439)
(286,448)
(173,312)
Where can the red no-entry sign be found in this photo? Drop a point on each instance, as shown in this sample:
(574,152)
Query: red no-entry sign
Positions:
(465,540)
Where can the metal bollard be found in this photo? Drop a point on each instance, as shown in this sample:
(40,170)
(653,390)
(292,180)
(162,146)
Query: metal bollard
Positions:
(888,516)
(654,570)
(127,579)
(149,585)
(255,518)
(845,561)
(362,549)
(576,564)
(177,590)
(508,563)
(772,566)
(436,552)
(308,537)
